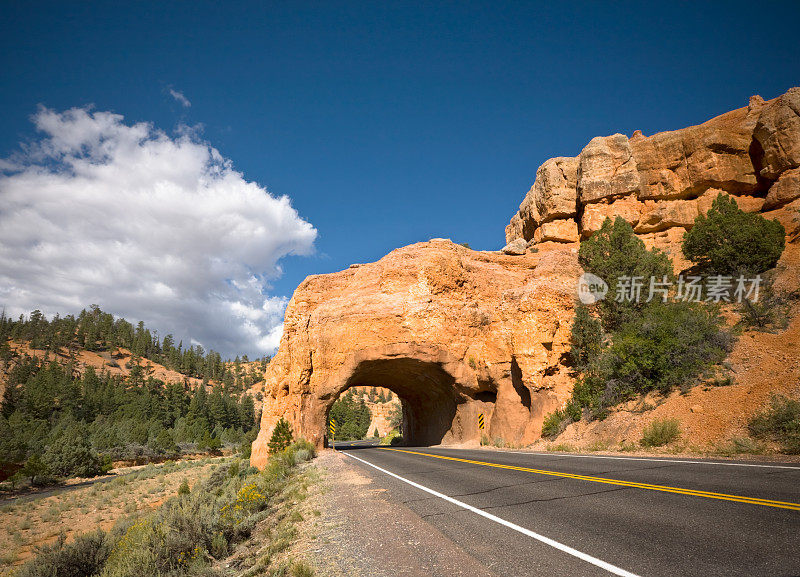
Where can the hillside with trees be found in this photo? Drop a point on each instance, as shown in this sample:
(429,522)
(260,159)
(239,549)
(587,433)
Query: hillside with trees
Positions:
(62,417)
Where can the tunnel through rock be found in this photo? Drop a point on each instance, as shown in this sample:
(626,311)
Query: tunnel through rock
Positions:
(427,392)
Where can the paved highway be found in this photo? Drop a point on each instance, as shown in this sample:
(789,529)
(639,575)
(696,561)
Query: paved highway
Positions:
(523,513)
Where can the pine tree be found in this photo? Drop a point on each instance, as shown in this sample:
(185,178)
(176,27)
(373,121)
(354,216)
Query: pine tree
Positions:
(281,436)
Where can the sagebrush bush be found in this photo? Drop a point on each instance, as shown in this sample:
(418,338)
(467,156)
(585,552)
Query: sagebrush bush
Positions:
(82,557)
(780,422)
(661,432)
(729,241)
(184,535)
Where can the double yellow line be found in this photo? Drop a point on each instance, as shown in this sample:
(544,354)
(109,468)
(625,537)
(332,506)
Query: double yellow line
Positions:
(648,486)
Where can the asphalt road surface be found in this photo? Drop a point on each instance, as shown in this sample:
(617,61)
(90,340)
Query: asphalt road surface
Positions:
(523,513)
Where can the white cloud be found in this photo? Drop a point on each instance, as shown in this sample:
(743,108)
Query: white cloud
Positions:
(149,226)
(180,97)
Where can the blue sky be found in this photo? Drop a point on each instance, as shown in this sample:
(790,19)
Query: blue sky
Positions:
(391,123)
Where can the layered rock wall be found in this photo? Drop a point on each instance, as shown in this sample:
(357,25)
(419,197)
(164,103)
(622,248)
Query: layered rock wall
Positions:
(660,183)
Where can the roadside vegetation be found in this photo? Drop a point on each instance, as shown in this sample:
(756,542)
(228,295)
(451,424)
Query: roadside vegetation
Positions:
(57,424)
(660,433)
(30,521)
(194,531)
(779,423)
(622,348)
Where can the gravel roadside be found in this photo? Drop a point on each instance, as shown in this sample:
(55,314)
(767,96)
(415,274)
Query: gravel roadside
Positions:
(365,534)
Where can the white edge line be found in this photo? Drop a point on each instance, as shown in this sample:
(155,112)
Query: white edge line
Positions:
(646,459)
(546,540)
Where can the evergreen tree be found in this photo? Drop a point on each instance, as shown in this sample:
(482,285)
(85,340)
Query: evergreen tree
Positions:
(615,253)
(34,469)
(729,241)
(281,436)
(586,338)
(70,454)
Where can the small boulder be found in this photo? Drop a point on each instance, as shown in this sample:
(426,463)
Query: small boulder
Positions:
(516,247)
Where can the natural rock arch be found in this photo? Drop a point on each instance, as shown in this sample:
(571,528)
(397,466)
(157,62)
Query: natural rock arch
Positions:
(453,332)
(495,328)
(434,387)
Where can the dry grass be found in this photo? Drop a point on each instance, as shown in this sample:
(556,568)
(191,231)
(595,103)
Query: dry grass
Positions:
(30,521)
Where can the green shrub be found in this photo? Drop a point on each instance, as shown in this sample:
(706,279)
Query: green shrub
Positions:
(82,557)
(552,425)
(660,432)
(586,338)
(301,568)
(668,346)
(769,313)
(70,454)
(740,445)
(780,422)
(184,488)
(390,436)
(281,436)
(396,440)
(728,240)
(555,422)
(614,252)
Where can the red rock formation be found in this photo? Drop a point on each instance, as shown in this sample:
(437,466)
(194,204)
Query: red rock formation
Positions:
(451,331)
(660,183)
(455,332)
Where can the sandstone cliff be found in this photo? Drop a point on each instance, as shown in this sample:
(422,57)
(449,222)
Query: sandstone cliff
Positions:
(660,183)
(455,332)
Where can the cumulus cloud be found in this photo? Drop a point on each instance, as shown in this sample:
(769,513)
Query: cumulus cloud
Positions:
(149,226)
(180,98)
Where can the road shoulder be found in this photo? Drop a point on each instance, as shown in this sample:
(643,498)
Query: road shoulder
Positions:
(364,533)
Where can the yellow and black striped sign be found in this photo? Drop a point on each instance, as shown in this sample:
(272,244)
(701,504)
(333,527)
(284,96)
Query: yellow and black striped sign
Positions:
(333,427)
(481,424)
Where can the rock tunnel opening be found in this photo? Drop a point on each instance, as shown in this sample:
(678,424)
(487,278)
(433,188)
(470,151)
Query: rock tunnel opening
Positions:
(426,391)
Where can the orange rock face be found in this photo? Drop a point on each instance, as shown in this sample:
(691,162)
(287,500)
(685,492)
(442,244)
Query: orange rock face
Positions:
(662,182)
(451,331)
(455,332)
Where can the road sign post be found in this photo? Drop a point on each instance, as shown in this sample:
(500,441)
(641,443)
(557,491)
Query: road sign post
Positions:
(481,424)
(332,426)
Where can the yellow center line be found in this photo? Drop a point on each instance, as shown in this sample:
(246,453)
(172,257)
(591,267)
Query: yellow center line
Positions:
(649,486)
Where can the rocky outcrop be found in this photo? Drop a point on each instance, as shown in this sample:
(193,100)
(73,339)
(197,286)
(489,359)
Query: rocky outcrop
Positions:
(455,333)
(660,183)
(451,331)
